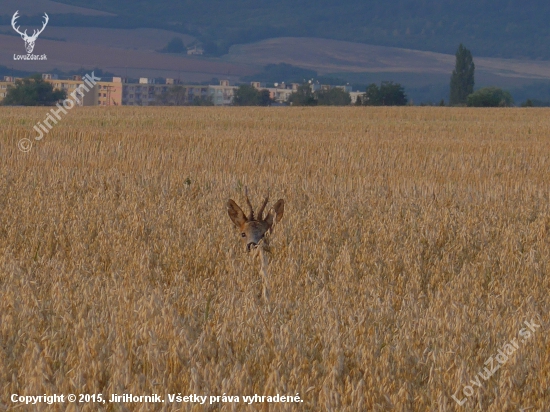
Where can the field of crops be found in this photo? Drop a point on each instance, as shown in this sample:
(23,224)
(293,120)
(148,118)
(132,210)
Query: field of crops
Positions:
(414,247)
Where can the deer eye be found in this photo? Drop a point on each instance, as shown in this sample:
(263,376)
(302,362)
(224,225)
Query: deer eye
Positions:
(243,234)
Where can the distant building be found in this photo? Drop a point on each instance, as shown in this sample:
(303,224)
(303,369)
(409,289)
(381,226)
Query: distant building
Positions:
(346,88)
(8,81)
(87,98)
(142,94)
(199,51)
(280,94)
(110,93)
(355,95)
(118,91)
(222,95)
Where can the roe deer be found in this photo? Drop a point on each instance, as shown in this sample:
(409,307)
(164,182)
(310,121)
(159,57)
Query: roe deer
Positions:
(253,229)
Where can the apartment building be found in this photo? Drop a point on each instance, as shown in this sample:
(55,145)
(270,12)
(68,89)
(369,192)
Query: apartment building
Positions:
(88,97)
(280,95)
(8,80)
(149,92)
(222,95)
(110,93)
(356,95)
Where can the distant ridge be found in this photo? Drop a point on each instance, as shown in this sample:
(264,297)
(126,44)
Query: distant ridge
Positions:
(330,56)
(32,7)
(496,28)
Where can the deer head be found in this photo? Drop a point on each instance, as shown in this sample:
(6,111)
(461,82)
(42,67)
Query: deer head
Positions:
(29,40)
(253,228)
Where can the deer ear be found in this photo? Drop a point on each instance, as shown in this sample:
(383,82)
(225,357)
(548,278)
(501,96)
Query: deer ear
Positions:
(236,214)
(279,209)
(276,214)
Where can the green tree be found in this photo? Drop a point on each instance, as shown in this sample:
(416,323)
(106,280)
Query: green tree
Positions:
(462,79)
(372,96)
(245,95)
(264,98)
(33,91)
(388,94)
(490,97)
(333,97)
(202,101)
(393,94)
(178,95)
(174,96)
(304,96)
(174,46)
(248,95)
(528,103)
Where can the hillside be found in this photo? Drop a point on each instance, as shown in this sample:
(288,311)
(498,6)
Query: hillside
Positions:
(50,7)
(425,75)
(131,39)
(126,42)
(331,56)
(118,58)
(493,28)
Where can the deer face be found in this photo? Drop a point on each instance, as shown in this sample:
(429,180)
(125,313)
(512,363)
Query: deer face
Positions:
(29,44)
(252,230)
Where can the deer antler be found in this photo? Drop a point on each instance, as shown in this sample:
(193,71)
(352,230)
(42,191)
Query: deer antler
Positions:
(13,22)
(261,210)
(251,217)
(35,32)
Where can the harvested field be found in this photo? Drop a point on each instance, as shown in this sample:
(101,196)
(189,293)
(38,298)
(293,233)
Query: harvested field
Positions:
(414,246)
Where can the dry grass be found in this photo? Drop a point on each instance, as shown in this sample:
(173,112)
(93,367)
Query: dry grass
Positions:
(414,245)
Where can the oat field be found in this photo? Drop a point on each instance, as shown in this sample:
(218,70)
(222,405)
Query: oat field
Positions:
(414,247)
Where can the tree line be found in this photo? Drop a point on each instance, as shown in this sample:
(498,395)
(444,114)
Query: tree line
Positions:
(462,85)
(33,91)
(388,94)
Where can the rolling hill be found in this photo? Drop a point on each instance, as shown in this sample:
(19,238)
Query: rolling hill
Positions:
(491,28)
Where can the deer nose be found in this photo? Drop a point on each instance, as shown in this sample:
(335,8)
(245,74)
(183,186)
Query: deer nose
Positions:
(250,246)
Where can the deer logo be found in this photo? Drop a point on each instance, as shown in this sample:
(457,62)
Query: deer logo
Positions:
(29,40)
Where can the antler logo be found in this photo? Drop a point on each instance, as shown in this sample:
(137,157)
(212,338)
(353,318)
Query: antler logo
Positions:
(29,40)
